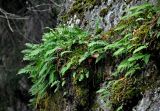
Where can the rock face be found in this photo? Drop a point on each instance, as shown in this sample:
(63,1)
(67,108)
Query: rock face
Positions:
(102,14)
(151,97)
(150,101)
(24,22)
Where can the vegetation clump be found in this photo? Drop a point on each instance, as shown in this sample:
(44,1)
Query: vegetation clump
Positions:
(132,48)
(56,58)
(125,92)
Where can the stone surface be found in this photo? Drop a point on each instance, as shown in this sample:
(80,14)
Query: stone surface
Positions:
(150,101)
(116,9)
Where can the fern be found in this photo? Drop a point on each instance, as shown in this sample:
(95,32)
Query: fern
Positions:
(47,59)
(119,51)
(139,49)
(66,68)
(84,57)
(64,53)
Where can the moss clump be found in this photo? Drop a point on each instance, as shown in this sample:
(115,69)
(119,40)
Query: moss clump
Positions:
(52,102)
(140,33)
(125,91)
(103,12)
(79,7)
(64,18)
(81,95)
(128,1)
(98,31)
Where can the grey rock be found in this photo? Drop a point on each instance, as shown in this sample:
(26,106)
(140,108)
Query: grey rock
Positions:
(150,101)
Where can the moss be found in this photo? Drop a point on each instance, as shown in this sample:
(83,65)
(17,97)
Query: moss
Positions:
(128,1)
(79,7)
(140,33)
(64,18)
(125,92)
(96,107)
(76,8)
(103,12)
(128,91)
(52,102)
(81,95)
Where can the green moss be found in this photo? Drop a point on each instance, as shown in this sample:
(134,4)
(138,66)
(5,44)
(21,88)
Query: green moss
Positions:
(76,8)
(96,107)
(140,33)
(81,94)
(79,7)
(124,91)
(56,102)
(128,1)
(52,102)
(64,18)
(103,12)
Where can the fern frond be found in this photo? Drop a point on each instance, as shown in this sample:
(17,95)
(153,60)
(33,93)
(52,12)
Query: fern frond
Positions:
(140,48)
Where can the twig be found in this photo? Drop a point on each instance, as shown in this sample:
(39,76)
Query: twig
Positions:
(38,10)
(5,14)
(40,5)
(56,4)
(14,18)
(9,25)
(8,16)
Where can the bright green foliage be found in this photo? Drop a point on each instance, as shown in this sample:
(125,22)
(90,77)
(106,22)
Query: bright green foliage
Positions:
(50,60)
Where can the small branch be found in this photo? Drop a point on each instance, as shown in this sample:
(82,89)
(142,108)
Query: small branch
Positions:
(8,22)
(14,18)
(38,10)
(8,16)
(56,4)
(9,25)
(40,5)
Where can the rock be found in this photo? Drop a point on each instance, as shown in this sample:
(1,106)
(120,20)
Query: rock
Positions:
(108,18)
(150,101)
